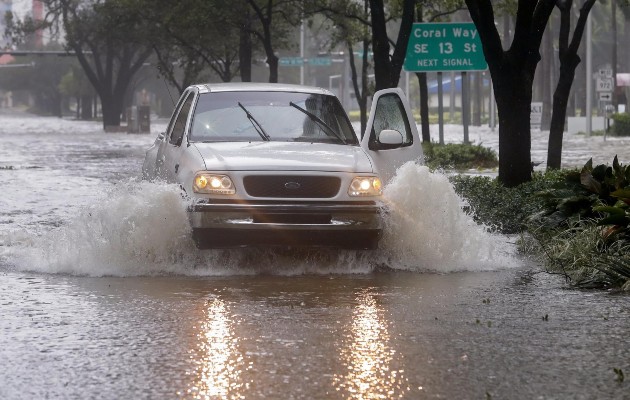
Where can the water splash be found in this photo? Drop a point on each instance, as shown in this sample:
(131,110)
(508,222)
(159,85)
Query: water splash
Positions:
(136,228)
(141,228)
(426,228)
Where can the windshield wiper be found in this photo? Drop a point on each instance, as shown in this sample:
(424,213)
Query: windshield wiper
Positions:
(256,124)
(329,131)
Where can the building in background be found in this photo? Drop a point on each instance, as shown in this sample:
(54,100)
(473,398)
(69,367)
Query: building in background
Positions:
(23,9)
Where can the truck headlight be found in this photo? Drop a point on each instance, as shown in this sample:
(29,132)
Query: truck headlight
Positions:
(213,184)
(365,186)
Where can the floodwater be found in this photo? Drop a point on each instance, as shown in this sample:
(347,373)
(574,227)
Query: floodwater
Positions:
(102,295)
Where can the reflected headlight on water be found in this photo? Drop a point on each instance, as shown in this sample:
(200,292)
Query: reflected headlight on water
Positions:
(218,361)
(362,186)
(371,368)
(205,182)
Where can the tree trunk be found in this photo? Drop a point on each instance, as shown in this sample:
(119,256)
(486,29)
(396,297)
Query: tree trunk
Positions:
(245,51)
(56,105)
(387,67)
(569,60)
(361,93)
(265,17)
(513,92)
(272,61)
(546,80)
(111,106)
(512,73)
(560,102)
(380,46)
(112,94)
(86,108)
(424,106)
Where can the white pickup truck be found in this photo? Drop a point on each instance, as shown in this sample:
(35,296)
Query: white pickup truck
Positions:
(280,165)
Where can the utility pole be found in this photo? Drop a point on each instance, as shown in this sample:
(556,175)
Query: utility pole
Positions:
(589,76)
(302,53)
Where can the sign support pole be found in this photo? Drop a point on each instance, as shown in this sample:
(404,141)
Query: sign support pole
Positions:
(440,107)
(465,105)
(589,77)
(451,99)
(302,31)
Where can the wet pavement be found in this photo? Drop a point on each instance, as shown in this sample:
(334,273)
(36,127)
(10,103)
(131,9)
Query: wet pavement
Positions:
(507,334)
(95,302)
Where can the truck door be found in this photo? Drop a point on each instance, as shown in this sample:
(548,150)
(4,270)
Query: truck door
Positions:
(391,136)
(174,143)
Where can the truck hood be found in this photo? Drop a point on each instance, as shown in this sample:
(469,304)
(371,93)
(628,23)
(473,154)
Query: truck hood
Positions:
(280,156)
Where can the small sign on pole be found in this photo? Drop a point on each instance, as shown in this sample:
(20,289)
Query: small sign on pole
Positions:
(604,84)
(535,116)
(605,72)
(605,96)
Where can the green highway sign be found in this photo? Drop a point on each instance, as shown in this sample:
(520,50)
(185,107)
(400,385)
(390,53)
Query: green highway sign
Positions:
(299,61)
(291,61)
(320,61)
(451,46)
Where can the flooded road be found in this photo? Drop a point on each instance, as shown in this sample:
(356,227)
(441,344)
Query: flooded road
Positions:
(103,296)
(380,335)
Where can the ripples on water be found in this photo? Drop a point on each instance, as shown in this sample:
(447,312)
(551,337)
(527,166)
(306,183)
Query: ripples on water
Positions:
(141,228)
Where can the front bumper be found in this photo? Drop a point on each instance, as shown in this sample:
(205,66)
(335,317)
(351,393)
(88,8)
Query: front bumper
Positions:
(356,225)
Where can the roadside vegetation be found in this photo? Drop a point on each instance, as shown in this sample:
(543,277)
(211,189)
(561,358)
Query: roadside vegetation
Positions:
(576,222)
(621,126)
(458,156)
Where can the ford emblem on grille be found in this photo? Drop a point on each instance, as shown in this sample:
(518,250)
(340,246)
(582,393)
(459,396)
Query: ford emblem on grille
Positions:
(292,185)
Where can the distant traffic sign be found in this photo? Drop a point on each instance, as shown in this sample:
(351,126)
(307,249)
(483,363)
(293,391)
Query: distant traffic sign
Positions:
(299,61)
(535,114)
(320,61)
(444,47)
(291,61)
(605,96)
(605,72)
(604,84)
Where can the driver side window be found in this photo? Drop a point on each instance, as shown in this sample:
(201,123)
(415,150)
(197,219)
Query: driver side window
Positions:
(390,114)
(179,127)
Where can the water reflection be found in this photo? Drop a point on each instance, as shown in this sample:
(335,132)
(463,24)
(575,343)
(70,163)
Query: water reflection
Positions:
(368,358)
(219,364)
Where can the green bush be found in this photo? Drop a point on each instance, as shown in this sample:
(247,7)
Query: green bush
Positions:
(459,156)
(503,209)
(582,255)
(621,127)
(578,222)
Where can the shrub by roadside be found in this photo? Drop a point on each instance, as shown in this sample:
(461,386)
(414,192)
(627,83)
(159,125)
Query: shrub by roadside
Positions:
(459,156)
(504,210)
(577,222)
(621,126)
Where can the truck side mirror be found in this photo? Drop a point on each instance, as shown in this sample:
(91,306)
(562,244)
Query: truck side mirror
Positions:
(389,139)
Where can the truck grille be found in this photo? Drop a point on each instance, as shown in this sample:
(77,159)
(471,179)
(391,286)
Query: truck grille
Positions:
(318,187)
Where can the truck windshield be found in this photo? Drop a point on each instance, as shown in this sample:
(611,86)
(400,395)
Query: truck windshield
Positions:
(227,117)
